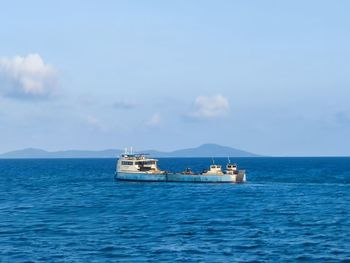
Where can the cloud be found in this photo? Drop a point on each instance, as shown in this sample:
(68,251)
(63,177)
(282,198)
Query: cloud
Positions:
(27,77)
(124,104)
(205,107)
(154,120)
(94,122)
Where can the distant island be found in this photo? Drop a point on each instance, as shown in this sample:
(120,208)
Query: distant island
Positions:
(205,150)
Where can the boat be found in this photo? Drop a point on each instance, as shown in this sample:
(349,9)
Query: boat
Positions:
(141,167)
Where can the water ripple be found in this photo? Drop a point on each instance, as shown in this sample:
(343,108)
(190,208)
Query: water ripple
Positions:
(291,210)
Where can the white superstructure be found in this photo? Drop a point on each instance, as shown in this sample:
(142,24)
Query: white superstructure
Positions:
(214,169)
(137,163)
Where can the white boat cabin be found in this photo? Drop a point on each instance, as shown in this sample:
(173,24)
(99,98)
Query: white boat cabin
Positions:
(214,169)
(137,163)
(231,168)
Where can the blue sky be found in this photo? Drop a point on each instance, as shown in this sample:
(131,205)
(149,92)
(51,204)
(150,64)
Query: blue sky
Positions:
(271,77)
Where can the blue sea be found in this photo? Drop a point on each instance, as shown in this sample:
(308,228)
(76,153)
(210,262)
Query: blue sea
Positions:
(72,210)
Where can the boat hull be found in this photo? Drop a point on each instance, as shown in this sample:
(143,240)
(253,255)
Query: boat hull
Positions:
(177,177)
(141,177)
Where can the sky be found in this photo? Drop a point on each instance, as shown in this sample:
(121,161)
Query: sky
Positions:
(269,77)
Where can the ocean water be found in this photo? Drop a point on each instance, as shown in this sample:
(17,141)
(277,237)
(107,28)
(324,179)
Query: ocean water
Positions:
(72,210)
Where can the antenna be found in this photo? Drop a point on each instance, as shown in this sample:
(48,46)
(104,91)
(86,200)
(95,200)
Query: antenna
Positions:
(228,157)
(125,150)
(131,150)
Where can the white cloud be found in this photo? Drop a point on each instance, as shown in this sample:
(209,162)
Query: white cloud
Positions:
(124,104)
(94,122)
(206,107)
(154,120)
(27,77)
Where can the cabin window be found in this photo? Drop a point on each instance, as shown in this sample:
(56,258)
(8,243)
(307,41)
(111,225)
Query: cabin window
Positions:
(149,162)
(127,163)
(142,163)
